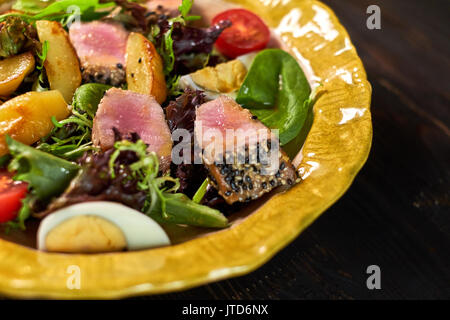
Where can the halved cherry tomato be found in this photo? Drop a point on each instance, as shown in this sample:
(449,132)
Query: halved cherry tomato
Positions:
(247,33)
(11,194)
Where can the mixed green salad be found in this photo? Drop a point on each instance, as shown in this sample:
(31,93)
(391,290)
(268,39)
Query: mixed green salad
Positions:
(92,94)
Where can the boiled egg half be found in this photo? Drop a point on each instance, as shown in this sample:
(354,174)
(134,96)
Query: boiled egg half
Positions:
(99,226)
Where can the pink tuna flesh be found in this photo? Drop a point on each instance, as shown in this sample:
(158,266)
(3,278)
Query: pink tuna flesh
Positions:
(101,48)
(130,112)
(224,114)
(240,174)
(168,7)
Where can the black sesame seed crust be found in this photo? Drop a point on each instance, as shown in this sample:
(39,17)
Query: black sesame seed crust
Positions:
(114,75)
(244,182)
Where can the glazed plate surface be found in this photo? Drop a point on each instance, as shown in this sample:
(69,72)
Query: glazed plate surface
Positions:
(335,150)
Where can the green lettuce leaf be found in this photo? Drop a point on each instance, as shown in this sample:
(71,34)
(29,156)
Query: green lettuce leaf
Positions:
(47,176)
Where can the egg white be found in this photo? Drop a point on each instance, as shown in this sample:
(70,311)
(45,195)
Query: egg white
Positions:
(139,230)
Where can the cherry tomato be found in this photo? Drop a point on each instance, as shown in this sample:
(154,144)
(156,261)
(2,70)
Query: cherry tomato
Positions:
(247,33)
(11,194)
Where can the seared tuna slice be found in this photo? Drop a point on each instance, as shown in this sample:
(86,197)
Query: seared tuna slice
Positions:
(164,7)
(127,113)
(101,48)
(246,164)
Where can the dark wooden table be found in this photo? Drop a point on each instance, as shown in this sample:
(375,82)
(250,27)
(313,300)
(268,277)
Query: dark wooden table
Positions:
(396,215)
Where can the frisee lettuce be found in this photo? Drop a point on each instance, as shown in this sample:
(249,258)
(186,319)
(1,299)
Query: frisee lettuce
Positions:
(71,137)
(146,170)
(163,204)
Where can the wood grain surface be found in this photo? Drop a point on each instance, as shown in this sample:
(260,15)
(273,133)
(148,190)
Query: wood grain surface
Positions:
(396,214)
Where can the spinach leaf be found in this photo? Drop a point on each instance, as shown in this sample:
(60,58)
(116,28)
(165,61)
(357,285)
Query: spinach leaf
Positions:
(296,144)
(277,91)
(47,176)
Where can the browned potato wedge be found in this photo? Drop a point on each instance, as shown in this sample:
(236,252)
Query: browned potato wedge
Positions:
(145,68)
(13,70)
(62,65)
(27,118)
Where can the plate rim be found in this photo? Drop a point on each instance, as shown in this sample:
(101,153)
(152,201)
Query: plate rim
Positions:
(25,291)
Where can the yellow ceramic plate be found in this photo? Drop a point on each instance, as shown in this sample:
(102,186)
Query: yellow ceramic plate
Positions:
(336,148)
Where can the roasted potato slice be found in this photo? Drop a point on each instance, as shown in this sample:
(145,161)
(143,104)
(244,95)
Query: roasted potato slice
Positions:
(28,117)
(145,68)
(13,70)
(62,65)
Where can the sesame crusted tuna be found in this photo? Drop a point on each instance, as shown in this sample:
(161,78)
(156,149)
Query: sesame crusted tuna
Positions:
(246,164)
(101,48)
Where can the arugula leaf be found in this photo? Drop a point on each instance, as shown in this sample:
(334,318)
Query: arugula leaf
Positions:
(276,91)
(47,176)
